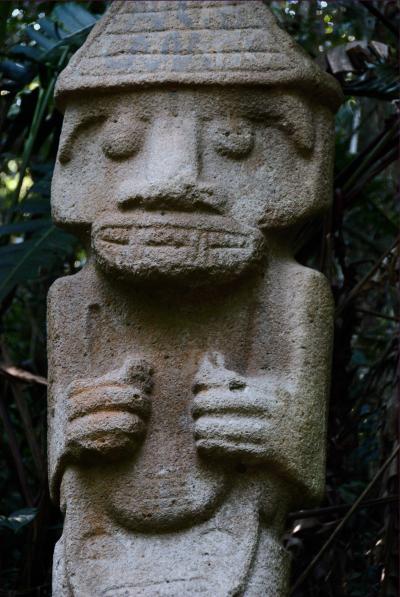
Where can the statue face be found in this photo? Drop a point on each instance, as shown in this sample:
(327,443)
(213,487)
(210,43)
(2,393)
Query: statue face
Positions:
(186,183)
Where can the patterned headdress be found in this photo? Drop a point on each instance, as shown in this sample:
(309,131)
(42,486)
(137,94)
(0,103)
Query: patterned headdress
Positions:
(196,42)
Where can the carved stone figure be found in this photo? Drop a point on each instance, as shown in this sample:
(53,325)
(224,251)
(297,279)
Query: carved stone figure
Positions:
(189,358)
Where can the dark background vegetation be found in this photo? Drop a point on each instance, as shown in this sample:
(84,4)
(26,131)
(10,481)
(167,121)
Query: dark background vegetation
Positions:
(348,546)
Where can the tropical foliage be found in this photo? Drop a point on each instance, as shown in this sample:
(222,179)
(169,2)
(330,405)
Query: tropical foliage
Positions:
(348,546)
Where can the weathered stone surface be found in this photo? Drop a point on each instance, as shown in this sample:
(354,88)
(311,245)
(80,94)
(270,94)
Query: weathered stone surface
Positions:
(189,359)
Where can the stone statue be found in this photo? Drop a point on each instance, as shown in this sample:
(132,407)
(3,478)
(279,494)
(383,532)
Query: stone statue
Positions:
(189,359)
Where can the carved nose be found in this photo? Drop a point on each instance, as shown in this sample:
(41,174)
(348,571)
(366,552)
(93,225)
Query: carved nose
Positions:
(172,152)
(169,166)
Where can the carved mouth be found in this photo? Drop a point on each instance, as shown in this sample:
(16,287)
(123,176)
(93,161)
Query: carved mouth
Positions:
(175,244)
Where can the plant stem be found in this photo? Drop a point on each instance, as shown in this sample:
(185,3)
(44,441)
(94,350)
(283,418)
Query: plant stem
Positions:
(354,507)
(365,279)
(44,98)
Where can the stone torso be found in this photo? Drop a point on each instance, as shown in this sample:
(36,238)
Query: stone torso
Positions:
(208,501)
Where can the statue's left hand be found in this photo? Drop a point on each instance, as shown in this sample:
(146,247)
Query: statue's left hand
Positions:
(235,415)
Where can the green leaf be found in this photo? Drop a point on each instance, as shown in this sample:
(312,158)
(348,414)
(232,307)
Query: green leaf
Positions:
(22,262)
(73,17)
(84,17)
(27,226)
(44,42)
(15,71)
(18,519)
(49,28)
(27,52)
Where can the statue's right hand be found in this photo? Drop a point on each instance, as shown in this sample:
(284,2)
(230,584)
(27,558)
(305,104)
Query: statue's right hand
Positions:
(106,416)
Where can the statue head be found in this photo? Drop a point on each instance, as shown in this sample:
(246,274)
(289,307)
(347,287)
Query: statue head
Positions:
(191,130)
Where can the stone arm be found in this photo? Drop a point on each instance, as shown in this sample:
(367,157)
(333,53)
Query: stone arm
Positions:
(92,418)
(276,416)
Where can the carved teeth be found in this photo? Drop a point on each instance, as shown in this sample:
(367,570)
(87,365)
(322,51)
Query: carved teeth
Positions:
(171,236)
(168,235)
(175,244)
(175,230)
(217,240)
(116,234)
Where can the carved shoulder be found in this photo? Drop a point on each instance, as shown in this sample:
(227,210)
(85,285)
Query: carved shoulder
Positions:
(64,287)
(315,283)
(302,297)
(310,305)
(65,322)
(308,288)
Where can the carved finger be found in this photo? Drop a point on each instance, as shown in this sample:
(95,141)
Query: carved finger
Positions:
(89,449)
(219,448)
(104,432)
(136,372)
(106,422)
(107,398)
(212,360)
(233,429)
(213,374)
(224,402)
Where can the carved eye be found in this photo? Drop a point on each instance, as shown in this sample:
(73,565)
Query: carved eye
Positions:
(234,141)
(122,140)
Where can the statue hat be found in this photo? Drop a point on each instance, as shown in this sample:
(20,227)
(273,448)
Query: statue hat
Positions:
(194,42)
